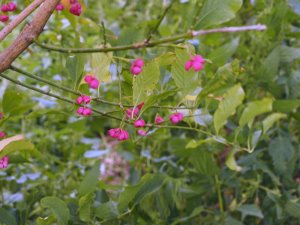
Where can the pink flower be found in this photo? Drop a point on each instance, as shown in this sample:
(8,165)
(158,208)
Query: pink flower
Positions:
(123,135)
(12,6)
(4,18)
(80,110)
(94,84)
(158,120)
(136,66)
(176,118)
(59,7)
(114,132)
(92,81)
(132,112)
(87,112)
(83,99)
(196,62)
(5,8)
(2,134)
(4,162)
(118,133)
(88,78)
(75,9)
(139,123)
(142,133)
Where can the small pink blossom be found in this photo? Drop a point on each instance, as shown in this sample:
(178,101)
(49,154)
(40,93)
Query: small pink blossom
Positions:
(118,133)
(12,6)
(140,106)
(176,117)
(158,120)
(83,99)
(75,9)
(132,112)
(80,110)
(88,78)
(86,112)
(5,8)
(4,18)
(59,7)
(139,123)
(94,84)
(136,66)
(142,133)
(196,63)
(4,162)
(2,134)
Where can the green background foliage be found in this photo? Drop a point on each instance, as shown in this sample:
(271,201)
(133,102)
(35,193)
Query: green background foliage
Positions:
(234,159)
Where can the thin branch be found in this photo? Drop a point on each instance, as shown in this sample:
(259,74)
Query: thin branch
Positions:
(20,71)
(19,19)
(155,28)
(157,43)
(29,33)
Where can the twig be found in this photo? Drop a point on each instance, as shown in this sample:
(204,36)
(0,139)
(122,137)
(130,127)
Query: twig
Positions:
(28,34)
(158,23)
(104,34)
(18,70)
(19,19)
(138,45)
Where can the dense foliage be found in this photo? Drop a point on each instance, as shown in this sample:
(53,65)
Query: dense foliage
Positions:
(234,158)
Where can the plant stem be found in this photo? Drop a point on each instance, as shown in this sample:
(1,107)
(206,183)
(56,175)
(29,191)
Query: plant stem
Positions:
(19,19)
(150,44)
(220,199)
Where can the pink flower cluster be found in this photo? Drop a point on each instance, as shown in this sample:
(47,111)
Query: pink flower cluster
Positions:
(137,67)
(83,99)
(2,134)
(119,134)
(196,63)
(4,162)
(8,7)
(75,8)
(92,81)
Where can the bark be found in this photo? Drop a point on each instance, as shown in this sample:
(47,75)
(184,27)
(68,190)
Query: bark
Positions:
(29,33)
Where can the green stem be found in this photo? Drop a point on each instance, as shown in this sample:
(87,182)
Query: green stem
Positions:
(18,70)
(157,43)
(220,199)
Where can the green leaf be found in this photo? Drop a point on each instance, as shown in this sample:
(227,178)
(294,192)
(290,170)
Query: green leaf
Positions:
(232,99)
(281,150)
(270,120)
(255,108)
(134,194)
(186,81)
(293,209)
(250,210)
(144,83)
(195,212)
(58,208)
(12,99)
(107,211)
(220,55)
(286,105)
(90,180)
(231,162)
(6,217)
(50,220)
(288,54)
(215,12)
(195,144)
(232,221)
(17,146)
(269,68)
(101,66)
(75,67)
(85,203)
(204,162)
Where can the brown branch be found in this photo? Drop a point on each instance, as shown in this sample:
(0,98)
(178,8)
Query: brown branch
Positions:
(19,19)
(29,33)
